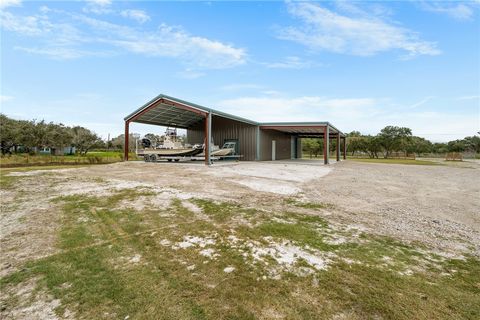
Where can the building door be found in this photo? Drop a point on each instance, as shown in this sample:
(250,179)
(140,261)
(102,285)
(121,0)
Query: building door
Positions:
(274,149)
(293,147)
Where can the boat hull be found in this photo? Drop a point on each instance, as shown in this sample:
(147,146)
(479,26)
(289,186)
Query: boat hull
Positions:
(173,152)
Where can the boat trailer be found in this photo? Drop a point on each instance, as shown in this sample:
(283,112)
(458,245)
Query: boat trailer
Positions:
(157,158)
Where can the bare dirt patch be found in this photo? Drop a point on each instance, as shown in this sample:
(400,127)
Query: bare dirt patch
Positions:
(437,205)
(268,221)
(28,303)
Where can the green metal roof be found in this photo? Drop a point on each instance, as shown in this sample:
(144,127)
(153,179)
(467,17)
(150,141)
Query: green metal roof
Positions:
(195,106)
(167,115)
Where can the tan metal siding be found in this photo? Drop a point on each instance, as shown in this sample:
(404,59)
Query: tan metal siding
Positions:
(196,134)
(223,129)
(282,141)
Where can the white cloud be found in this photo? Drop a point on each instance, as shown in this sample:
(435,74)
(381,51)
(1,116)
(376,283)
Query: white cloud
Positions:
(271,92)
(363,36)
(80,36)
(137,15)
(4,98)
(459,11)
(62,53)
(306,108)
(469,98)
(25,25)
(98,7)
(368,115)
(190,74)
(420,103)
(292,63)
(169,41)
(240,86)
(10,3)
(103,3)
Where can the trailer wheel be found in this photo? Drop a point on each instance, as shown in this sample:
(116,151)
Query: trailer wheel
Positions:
(146,158)
(176,160)
(153,158)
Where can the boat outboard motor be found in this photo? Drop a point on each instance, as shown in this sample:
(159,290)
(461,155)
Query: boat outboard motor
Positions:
(146,143)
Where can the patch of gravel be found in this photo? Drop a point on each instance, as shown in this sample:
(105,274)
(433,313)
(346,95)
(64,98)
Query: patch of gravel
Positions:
(27,231)
(30,304)
(268,185)
(287,254)
(103,188)
(28,173)
(41,172)
(135,259)
(194,241)
(229,269)
(434,205)
(193,207)
(272,177)
(209,253)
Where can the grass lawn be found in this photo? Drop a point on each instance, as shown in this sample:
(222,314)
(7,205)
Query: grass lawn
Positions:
(192,259)
(111,154)
(19,160)
(396,161)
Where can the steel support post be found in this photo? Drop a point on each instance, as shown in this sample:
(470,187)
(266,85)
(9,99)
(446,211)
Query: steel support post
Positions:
(338,146)
(127,136)
(208,138)
(326,144)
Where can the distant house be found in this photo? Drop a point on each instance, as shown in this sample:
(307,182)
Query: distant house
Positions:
(57,151)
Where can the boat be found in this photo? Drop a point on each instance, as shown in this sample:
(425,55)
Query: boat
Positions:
(227,149)
(170,147)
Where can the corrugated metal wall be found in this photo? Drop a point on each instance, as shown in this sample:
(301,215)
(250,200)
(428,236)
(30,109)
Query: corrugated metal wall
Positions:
(223,129)
(282,141)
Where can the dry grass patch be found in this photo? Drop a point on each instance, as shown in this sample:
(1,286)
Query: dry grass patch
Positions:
(172,262)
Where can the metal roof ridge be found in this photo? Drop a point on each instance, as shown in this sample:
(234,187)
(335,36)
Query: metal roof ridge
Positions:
(226,115)
(197,106)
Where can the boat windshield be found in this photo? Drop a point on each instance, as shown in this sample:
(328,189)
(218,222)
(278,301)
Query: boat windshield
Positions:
(229,145)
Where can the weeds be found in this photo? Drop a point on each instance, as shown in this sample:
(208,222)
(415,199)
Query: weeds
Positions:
(308,205)
(94,275)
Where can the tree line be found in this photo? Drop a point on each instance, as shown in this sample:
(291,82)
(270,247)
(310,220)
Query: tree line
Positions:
(393,139)
(32,136)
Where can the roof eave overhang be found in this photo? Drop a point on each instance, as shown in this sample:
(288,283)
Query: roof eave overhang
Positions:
(161,99)
(203,112)
(299,125)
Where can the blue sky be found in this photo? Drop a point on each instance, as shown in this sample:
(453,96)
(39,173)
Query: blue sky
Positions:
(359,65)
